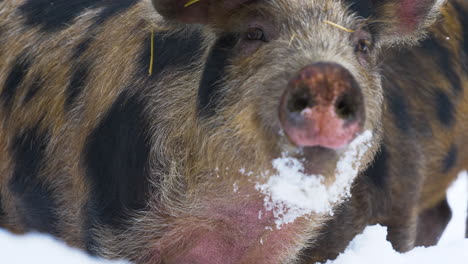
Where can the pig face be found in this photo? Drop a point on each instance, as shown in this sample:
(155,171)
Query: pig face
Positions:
(290,84)
(295,78)
(302,85)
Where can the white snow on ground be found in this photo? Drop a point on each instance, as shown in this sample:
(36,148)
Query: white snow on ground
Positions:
(41,249)
(291,193)
(368,248)
(371,247)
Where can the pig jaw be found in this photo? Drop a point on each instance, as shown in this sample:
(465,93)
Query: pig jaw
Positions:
(248,223)
(241,233)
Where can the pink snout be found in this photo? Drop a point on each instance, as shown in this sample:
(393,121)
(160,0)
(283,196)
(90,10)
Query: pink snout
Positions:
(322,106)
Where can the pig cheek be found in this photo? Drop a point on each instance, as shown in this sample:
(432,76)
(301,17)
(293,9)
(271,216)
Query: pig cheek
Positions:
(226,242)
(363,60)
(248,48)
(211,248)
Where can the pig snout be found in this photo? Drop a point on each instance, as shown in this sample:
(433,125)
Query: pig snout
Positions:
(322,106)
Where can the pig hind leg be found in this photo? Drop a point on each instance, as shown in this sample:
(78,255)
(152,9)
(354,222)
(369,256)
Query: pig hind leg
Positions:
(432,223)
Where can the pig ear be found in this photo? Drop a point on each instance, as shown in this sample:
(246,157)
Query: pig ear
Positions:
(405,20)
(196,11)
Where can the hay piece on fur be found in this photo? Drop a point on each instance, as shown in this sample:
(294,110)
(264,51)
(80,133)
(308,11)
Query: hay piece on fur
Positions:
(191,2)
(338,26)
(150,70)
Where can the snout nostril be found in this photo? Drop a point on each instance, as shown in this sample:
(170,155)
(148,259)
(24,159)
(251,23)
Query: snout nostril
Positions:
(345,107)
(298,104)
(299,101)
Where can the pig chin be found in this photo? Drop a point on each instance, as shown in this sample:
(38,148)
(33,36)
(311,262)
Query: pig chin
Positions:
(240,233)
(316,160)
(319,160)
(272,216)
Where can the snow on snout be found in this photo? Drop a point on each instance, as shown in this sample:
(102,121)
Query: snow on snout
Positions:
(291,193)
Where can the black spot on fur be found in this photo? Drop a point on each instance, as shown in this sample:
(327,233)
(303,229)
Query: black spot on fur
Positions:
(77,84)
(399,108)
(14,79)
(35,86)
(117,159)
(378,169)
(82,47)
(170,52)
(90,240)
(214,73)
(117,6)
(445,108)
(36,202)
(442,57)
(362,8)
(53,15)
(450,159)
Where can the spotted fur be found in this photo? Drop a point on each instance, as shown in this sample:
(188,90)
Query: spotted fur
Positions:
(127,163)
(424,131)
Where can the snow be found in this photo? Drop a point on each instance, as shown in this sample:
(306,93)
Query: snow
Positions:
(42,249)
(372,247)
(291,193)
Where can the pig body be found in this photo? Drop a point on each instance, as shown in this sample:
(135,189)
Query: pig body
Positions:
(145,135)
(421,154)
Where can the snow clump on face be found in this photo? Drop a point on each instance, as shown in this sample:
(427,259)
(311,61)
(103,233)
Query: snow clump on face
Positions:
(291,193)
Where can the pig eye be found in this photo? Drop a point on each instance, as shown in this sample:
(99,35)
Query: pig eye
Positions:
(255,34)
(363,46)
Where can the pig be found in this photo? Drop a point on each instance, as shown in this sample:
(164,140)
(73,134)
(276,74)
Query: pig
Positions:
(422,150)
(153,130)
